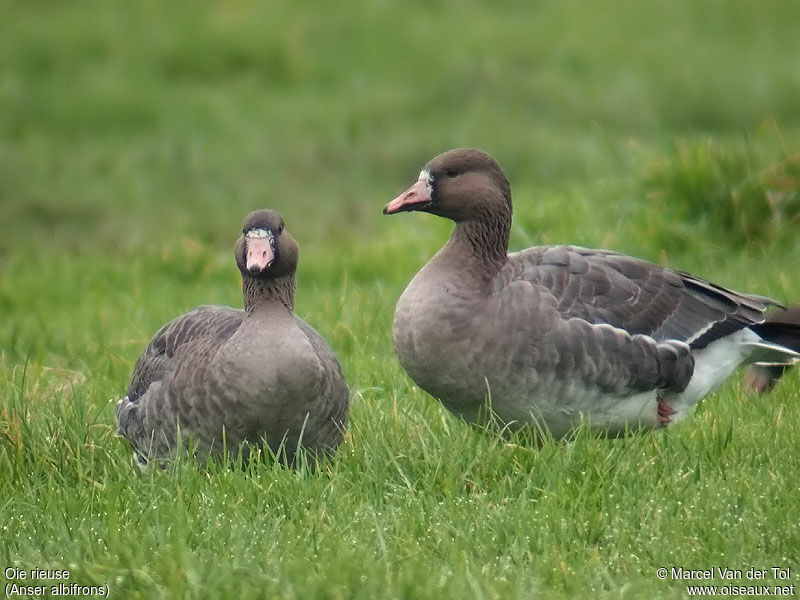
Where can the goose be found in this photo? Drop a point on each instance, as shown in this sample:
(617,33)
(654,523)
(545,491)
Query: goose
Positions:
(761,378)
(556,336)
(222,378)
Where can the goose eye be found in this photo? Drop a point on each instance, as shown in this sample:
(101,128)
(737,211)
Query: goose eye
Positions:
(451,173)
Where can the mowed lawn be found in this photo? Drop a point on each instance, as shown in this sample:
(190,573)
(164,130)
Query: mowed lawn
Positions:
(134,137)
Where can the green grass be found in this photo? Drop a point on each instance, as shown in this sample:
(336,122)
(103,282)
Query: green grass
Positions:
(134,138)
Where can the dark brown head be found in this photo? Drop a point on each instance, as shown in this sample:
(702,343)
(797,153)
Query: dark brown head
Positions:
(462,185)
(265,249)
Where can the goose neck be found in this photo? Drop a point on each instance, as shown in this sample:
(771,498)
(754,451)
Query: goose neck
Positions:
(267,294)
(480,245)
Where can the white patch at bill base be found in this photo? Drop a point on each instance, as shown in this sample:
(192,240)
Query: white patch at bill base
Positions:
(260,233)
(425,175)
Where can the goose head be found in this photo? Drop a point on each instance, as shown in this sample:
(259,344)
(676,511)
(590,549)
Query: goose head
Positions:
(265,249)
(464,184)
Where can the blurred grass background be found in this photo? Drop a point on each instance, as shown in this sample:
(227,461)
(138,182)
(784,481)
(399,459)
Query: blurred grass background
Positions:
(127,124)
(135,136)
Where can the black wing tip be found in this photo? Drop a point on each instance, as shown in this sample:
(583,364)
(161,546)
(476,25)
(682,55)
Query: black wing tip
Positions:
(779,332)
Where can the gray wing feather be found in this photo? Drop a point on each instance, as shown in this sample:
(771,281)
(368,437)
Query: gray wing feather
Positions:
(598,355)
(213,323)
(197,332)
(635,295)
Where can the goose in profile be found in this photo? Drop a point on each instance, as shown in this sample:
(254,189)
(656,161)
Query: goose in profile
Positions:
(221,378)
(557,336)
